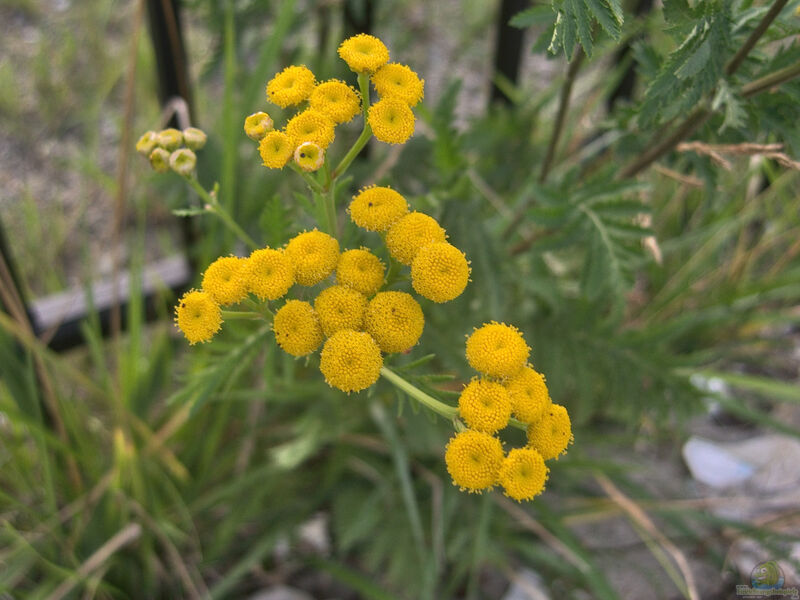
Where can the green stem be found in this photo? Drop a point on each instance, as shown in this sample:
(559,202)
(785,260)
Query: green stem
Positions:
(240,314)
(261,308)
(330,209)
(213,206)
(366,133)
(312,183)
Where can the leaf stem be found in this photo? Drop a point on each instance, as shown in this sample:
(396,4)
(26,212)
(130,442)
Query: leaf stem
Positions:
(240,314)
(366,133)
(760,30)
(212,205)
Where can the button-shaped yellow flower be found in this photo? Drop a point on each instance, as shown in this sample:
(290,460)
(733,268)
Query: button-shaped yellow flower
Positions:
(529,395)
(409,234)
(377,208)
(395,320)
(269,274)
(364,53)
(291,86)
(440,272)
(497,350)
(159,160)
(314,255)
(485,405)
(225,279)
(552,434)
(399,81)
(276,149)
(391,120)
(311,126)
(360,270)
(170,139)
(257,125)
(523,474)
(183,161)
(336,99)
(350,360)
(309,156)
(340,307)
(194,138)
(473,460)
(297,329)
(147,143)
(198,316)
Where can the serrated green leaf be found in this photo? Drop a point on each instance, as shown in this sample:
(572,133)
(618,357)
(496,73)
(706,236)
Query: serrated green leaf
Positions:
(535,15)
(606,14)
(695,62)
(583,22)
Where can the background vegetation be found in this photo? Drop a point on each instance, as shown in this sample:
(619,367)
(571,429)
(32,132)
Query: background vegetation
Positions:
(645,246)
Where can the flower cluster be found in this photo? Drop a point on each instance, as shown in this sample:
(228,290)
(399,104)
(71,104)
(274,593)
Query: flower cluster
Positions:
(507,386)
(172,149)
(324,105)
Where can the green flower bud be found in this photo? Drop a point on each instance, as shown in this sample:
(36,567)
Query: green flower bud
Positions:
(159,160)
(194,138)
(183,161)
(147,143)
(170,139)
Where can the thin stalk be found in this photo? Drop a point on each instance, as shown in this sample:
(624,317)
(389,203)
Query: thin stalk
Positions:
(312,183)
(260,308)
(330,209)
(212,205)
(240,314)
(760,30)
(366,133)
(771,80)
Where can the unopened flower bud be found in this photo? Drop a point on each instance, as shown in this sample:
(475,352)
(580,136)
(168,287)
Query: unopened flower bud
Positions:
(159,160)
(183,161)
(257,125)
(170,139)
(194,138)
(309,156)
(146,143)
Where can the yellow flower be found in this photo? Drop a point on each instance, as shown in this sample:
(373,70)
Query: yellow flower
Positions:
(399,81)
(225,280)
(257,125)
(529,395)
(473,460)
(497,350)
(170,139)
(194,138)
(314,255)
(198,316)
(440,272)
(364,53)
(360,270)
(391,120)
(269,274)
(395,320)
(408,235)
(183,161)
(311,126)
(552,434)
(147,143)
(523,474)
(291,86)
(159,160)
(340,307)
(309,156)
(485,405)
(377,208)
(336,99)
(297,329)
(276,149)
(350,360)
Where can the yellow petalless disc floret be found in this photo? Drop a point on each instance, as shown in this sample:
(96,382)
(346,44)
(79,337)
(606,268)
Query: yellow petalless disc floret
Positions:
(297,328)
(336,99)
(257,125)
(311,126)
(147,143)
(391,120)
(350,360)
(529,395)
(194,138)
(364,53)
(473,460)
(269,274)
(309,156)
(225,279)
(198,316)
(183,161)
(276,149)
(440,272)
(159,160)
(377,208)
(552,434)
(170,139)
(497,350)
(314,255)
(360,270)
(523,474)
(485,405)
(409,234)
(340,307)
(399,81)
(395,320)
(291,86)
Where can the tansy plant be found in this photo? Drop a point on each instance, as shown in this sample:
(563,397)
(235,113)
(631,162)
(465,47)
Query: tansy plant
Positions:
(358,317)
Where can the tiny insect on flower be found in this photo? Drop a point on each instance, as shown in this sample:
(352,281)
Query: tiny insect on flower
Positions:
(399,81)
(552,434)
(409,234)
(198,316)
(296,327)
(225,280)
(485,405)
(377,208)
(183,161)
(350,360)
(360,270)
(170,139)
(523,474)
(291,86)
(395,320)
(269,274)
(159,160)
(336,99)
(391,120)
(276,149)
(529,395)
(340,307)
(257,125)
(309,156)
(473,460)
(147,143)
(364,53)
(497,350)
(314,255)
(440,272)
(311,126)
